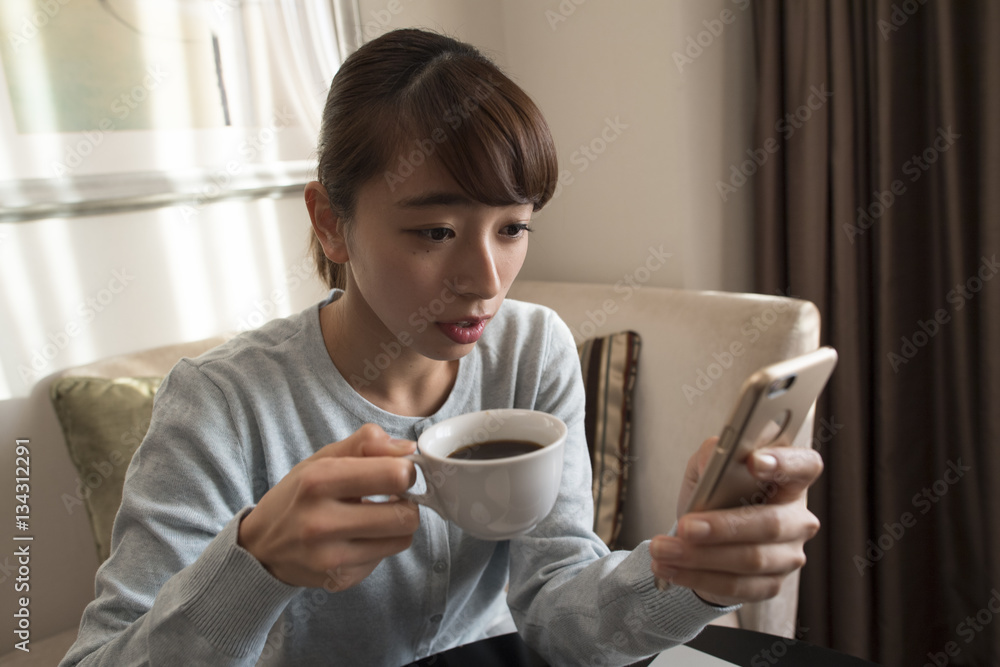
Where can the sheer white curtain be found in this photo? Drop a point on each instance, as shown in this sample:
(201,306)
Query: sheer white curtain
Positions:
(309,39)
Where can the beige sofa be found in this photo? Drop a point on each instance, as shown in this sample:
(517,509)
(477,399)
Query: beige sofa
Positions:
(697,348)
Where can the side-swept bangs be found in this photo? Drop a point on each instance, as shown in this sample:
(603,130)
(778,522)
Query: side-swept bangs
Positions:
(484,130)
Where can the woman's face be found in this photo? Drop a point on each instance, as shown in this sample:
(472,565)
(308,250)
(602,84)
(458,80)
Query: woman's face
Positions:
(431,266)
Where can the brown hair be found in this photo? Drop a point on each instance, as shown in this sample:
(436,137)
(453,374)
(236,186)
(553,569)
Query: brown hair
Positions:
(412,95)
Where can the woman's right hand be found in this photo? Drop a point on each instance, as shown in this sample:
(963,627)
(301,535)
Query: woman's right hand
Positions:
(312,528)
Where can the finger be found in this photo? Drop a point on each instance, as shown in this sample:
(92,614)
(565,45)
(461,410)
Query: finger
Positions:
(390,447)
(360,553)
(357,521)
(767,434)
(789,470)
(696,464)
(744,559)
(354,478)
(369,440)
(749,524)
(692,473)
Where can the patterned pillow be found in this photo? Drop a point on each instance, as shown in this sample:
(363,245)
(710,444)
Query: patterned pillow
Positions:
(609,365)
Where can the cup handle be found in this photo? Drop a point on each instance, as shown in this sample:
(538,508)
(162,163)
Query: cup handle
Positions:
(428,498)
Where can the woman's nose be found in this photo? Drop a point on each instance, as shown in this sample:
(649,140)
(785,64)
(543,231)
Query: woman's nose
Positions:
(479,274)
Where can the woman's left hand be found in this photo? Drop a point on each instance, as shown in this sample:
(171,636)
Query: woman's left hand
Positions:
(743,554)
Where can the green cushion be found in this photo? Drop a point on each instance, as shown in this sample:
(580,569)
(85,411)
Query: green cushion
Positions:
(103,420)
(609,365)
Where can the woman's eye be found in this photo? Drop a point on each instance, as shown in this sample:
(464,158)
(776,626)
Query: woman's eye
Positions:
(437,234)
(516,230)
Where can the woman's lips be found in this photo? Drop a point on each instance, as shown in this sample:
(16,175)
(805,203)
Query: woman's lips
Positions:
(464,332)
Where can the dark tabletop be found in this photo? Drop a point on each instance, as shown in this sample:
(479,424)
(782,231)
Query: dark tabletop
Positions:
(742,647)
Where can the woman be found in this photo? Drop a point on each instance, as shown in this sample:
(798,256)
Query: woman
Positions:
(244,538)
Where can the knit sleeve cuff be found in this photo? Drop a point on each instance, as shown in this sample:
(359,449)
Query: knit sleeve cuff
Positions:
(230,597)
(676,611)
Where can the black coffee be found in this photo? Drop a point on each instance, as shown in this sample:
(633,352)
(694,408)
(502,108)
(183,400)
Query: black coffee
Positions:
(494,449)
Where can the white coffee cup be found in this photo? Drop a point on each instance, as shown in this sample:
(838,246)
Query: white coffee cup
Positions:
(492,499)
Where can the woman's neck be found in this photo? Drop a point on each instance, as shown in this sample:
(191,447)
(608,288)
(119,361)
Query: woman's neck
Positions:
(386,373)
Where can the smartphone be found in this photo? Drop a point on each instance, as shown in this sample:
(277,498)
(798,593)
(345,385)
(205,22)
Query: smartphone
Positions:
(773,404)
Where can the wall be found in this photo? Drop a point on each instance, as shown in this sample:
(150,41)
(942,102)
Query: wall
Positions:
(653,185)
(478,22)
(646,122)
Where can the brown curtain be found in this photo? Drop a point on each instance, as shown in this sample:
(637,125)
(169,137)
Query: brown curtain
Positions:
(877,192)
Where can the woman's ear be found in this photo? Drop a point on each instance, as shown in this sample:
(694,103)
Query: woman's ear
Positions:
(326,224)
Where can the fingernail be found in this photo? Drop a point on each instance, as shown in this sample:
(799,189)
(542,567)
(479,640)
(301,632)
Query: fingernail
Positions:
(696,529)
(765,462)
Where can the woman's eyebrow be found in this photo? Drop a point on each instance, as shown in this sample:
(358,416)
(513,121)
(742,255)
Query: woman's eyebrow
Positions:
(429,199)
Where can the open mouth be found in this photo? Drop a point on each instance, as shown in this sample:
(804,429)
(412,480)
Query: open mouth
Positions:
(464,332)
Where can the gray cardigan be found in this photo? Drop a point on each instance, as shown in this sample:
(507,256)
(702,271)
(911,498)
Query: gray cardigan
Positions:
(227,426)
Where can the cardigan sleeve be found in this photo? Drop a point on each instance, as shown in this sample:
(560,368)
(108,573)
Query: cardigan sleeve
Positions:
(571,599)
(177,588)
